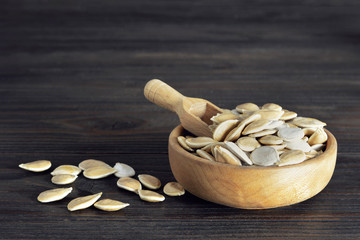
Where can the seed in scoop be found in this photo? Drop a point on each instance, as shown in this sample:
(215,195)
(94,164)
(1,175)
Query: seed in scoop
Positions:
(291,157)
(264,156)
(110,205)
(83,202)
(151,196)
(53,195)
(290,134)
(174,189)
(63,179)
(129,184)
(149,181)
(66,169)
(123,170)
(90,163)
(222,117)
(98,172)
(36,166)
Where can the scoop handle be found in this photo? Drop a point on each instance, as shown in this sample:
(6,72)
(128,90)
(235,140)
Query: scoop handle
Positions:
(163,95)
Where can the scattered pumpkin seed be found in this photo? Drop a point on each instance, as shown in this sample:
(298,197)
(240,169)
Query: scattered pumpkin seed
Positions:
(83,202)
(36,166)
(98,172)
(89,163)
(173,189)
(53,195)
(129,184)
(63,179)
(123,170)
(110,205)
(151,196)
(149,181)
(66,169)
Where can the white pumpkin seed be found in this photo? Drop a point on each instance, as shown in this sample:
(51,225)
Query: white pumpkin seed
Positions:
(271,139)
(174,189)
(233,148)
(149,181)
(199,142)
(264,156)
(63,179)
(291,157)
(290,134)
(83,202)
(129,184)
(318,137)
(274,124)
(298,145)
(247,144)
(306,122)
(182,142)
(89,163)
(98,172)
(53,195)
(123,170)
(66,169)
(205,155)
(36,166)
(151,196)
(110,205)
(223,129)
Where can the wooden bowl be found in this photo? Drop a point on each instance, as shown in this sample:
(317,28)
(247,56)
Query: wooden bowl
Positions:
(251,187)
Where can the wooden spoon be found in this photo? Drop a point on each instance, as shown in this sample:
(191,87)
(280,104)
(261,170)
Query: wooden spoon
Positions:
(194,113)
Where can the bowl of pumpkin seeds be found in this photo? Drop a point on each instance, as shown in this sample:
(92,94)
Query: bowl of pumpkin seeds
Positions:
(259,157)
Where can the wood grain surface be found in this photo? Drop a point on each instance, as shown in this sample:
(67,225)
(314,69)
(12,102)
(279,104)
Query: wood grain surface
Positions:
(72,75)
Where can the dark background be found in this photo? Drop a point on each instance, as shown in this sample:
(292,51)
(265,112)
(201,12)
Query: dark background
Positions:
(71,87)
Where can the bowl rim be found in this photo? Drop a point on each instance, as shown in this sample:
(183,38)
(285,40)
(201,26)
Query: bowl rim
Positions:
(331,144)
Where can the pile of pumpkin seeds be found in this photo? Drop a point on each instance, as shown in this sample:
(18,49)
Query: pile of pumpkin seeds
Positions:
(263,136)
(96,169)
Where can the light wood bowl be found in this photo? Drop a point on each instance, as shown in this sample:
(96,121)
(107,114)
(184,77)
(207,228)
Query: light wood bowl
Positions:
(251,187)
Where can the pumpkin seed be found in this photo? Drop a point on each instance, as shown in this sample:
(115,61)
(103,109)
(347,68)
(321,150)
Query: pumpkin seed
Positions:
(234,149)
(205,155)
(123,170)
(63,179)
(53,195)
(83,202)
(288,115)
(199,142)
(174,189)
(223,129)
(149,181)
(151,196)
(271,139)
(317,147)
(222,117)
(225,156)
(264,156)
(182,142)
(66,169)
(290,134)
(110,205)
(263,133)
(89,163)
(309,131)
(247,144)
(272,106)
(36,166)
(318,137)
(298,145)
(256,126)
(274,124)
(98,172)
(270,114)
(278,146)
(291,157)
(235,133)
(129,184)
(245,107)
(306,122)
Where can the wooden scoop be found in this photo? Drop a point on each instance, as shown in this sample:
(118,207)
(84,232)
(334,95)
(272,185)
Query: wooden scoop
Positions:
(194,113)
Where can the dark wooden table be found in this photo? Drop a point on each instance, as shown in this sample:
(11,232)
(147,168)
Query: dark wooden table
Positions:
(71,88)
